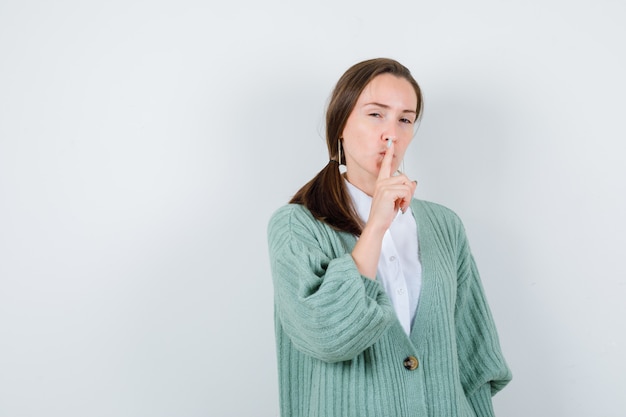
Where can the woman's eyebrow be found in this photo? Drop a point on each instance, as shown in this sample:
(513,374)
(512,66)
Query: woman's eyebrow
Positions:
(384,106)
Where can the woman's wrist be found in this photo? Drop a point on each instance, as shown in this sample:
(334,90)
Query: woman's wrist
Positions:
(366,252)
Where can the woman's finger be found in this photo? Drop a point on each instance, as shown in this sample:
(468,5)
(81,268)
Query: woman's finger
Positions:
(385,165)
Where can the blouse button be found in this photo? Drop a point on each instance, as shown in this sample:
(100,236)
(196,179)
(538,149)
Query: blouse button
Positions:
(411,363)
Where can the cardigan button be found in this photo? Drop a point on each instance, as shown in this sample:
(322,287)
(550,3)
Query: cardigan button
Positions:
(411,363)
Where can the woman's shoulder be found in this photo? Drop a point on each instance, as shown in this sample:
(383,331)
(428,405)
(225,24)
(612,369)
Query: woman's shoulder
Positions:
(437,214)
(294,224)
(293,219)
(290,213)
(434,209)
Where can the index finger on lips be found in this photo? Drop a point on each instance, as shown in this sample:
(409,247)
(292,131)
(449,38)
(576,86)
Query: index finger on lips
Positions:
(385,165)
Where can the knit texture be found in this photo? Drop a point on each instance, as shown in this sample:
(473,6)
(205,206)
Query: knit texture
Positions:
(340,346)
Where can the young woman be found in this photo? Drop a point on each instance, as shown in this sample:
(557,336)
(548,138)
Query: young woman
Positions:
(379,309)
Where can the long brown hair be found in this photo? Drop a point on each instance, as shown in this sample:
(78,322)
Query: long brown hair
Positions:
(326,195)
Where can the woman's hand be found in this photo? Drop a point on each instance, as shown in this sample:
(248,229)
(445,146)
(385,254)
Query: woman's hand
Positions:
(392,193)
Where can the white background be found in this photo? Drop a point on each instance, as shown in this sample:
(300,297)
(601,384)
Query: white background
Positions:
(144,145)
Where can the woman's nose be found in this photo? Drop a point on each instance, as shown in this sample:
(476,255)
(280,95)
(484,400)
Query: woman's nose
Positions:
(390,132)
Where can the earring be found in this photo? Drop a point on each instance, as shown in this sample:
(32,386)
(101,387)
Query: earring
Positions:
(339,150)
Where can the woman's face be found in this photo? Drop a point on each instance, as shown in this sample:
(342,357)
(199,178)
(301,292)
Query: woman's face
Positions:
(385,109)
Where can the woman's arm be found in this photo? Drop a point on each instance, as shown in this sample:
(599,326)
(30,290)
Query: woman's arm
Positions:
(484,371)
(326,307)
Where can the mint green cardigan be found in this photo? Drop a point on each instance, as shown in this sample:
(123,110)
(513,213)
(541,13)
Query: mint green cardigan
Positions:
(341,349)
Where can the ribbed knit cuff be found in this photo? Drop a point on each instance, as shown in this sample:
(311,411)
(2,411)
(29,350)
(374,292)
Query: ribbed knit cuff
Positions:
(373,288)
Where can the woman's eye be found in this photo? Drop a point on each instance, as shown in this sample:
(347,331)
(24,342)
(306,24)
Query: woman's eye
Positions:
(405,120)
(375,114)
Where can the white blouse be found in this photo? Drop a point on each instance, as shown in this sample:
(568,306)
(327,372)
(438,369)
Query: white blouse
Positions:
(399,268)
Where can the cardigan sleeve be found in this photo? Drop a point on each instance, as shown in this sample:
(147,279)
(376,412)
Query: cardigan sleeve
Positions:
(325,306)
(484,371)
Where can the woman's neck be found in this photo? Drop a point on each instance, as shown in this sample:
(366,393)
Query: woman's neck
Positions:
(367,186)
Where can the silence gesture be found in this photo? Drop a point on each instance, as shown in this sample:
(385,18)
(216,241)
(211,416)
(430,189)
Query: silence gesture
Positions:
(391,193)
